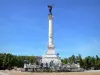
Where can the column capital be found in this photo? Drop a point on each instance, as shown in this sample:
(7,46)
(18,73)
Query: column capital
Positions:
(50,16)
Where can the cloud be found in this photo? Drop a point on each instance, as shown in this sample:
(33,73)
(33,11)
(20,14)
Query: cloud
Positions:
(85,49)
(5,49)
(23,50)
(89,48)
(97,42)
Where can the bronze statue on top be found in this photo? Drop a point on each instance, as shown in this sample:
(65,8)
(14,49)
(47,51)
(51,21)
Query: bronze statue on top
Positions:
(50,9)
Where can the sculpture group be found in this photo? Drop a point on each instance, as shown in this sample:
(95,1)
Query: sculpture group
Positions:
(50,9)
(51,67)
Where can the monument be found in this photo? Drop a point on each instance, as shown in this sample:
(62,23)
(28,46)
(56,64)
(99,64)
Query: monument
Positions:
(51,61)
(51,56)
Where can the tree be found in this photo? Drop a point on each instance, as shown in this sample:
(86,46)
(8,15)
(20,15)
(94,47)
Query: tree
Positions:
(80,60)
(72,59)
(65,61)
(8,60)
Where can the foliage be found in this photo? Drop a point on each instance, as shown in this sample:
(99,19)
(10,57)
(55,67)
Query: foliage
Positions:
(9,61)
(86,63)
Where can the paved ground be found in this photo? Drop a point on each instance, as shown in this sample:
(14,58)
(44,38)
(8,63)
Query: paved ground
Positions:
(93,71)
(3,73)
(40,73)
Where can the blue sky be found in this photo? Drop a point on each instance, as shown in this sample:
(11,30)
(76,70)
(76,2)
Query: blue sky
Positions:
(24,27)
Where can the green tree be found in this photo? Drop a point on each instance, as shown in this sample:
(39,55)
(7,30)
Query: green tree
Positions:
(65,61)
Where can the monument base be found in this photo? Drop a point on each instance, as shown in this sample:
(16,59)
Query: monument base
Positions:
(47,58)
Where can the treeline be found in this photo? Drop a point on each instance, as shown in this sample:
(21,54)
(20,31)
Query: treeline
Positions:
(86,63)
(8,60)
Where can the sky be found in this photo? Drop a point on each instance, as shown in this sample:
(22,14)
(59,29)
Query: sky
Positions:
(24,27)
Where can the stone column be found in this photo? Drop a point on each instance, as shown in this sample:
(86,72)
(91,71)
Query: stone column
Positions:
(50,36)
(50,17)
